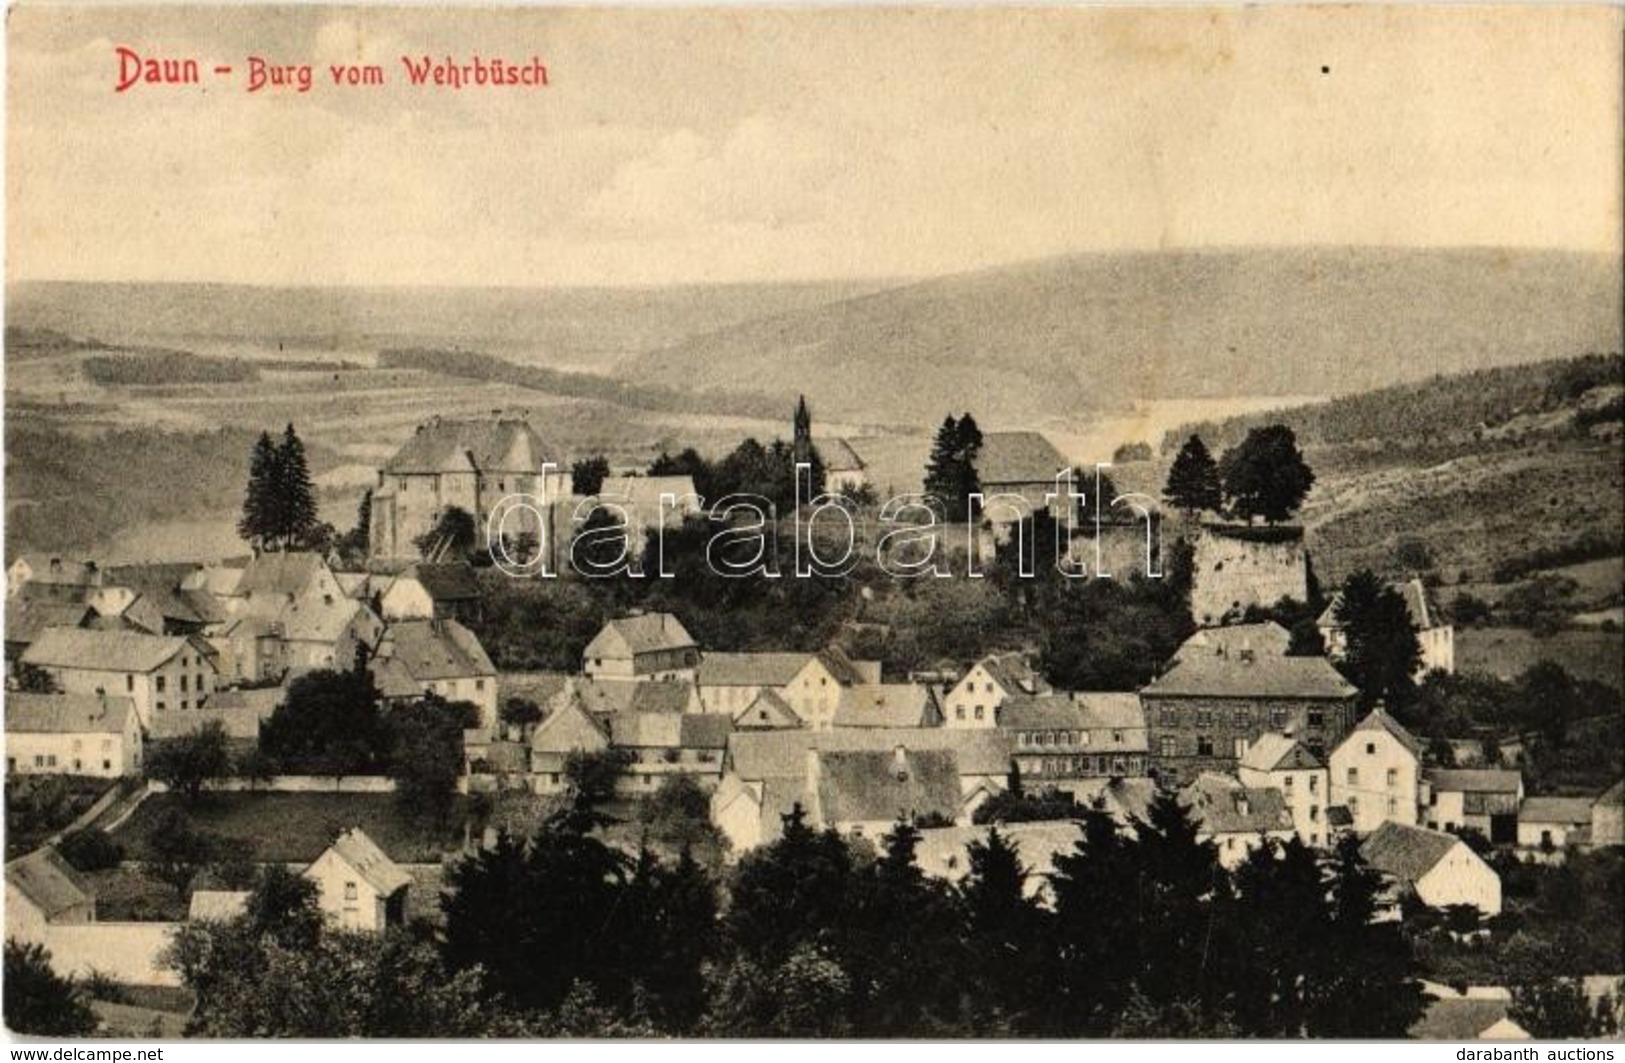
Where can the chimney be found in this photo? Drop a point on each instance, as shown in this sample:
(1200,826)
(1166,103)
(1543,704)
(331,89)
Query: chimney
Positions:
(899,763)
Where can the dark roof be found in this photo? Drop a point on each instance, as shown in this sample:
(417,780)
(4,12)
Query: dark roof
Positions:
(1407,853)
(1423,613)
(1018,458)
(105,651)
(502,445)
(67,713)
(1052,712)
(161,583)
(1614,796)
(1475,780)
(863,786)
(1013,672)
(1460,1019)
(1220,805)
(45,878)
(26,619)
(534,686)
(1569,810)
(675,698)
(1339,816)
(370,862)
(706,731)
(446,582)
(1261,677)
(436,649)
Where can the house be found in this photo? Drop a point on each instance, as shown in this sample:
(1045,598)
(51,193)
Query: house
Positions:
(943,852)
(1205,711)
(72,734)
(49,577)
(248,648)
(811,684)
(1059,740)
(1554,823)
(441,657)
(642,647)
(1235,566)
(41,889)
(1238,640)
(432,592)
(240,713)
(1376,773)
(159,673)
(273,580)
(1483,799)
(859,792)
(326,632)
(768,712)
(217,906)
(120,608)
(1438,868)
(767,772)
(974,701)
(887,705)
(1467,1018)
(1018,465)
(1608,817)
(1282,763)
(162,589)
(471,465)
(1237,819)
(567,728)
(664,744)
(845,472)
(358,887)
(647,502)
(1436,637)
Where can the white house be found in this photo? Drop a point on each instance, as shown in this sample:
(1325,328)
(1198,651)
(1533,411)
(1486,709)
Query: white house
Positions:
(811,684)
(42,889)
(1376,773)
(974,701)
(1553,823)
(1484,799)
(1436,637)
(327,632)
(1439,868)
(358,887)
(158,673)
(1282,763)
(428,592)
(441,657)
(72,734)
(567,728)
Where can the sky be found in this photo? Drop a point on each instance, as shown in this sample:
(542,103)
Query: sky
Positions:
(678,146)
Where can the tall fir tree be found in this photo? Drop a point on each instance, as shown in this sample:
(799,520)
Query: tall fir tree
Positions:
(950,472)
(1193,479)
(296,492)
(261,510)
(1382,651)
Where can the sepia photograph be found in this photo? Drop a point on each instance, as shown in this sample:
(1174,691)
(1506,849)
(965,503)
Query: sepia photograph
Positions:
(814,523)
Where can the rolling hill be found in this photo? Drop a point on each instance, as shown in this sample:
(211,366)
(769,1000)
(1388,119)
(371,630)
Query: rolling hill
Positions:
(1058,338)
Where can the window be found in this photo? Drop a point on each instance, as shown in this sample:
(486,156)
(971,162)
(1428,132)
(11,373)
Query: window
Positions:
(1370,749)
(161,706)
(1354,777)
(1277,718)
(77,764)
(978,712)
(184,704)
(1243,717)
(1354,805)
(129,683)
(1288,781)
(959,714)
(1314,784)
(1393,806)
(990,688)
(39,760)
(1167,716)
(1204,746)
(479,684)
(1393,778)
(1240,748)
(350,891)
(1169,746)
(107,765)
(1314,813)
(183,684)
(159,684)
(1317,718)
(1204,717)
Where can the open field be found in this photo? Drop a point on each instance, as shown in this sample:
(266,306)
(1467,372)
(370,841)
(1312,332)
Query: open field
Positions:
(1506,652)
(295,828)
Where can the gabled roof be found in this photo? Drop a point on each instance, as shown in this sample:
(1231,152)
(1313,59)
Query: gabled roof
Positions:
(67,713)
(569,726)
(942,851)
(239,712)
(286,573)
(756,755)
(1278,752)
(435,649)
(1051,712)
(751,668)
(25,619)
(1614,796)
(766,711)
(369,861)
(540,687)
(161,583)
(671,698)
(1466,1019)
(1221,805)
(1018,458)
(645,730)
(840,667)
(1232,640)
(869,785)
(1569,810)
(705,731)
(62,571)
(1379,720)
(1012,672)
(1309,678)
(310,619)
(49,882)
(451,582)
(1474,780)
(1339,816)
(887,705)
(217,906)
(104,651)
(644,633)
(500,445)
(1404,852)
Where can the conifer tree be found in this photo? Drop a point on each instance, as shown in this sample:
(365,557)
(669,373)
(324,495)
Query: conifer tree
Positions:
(260,517)
(1382,651)
(1193,479)
(950,471)
(295,491)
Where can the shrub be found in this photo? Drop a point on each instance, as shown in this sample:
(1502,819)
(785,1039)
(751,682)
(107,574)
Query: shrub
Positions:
(91,850)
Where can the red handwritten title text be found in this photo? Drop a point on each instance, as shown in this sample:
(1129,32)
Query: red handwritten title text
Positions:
(259,74)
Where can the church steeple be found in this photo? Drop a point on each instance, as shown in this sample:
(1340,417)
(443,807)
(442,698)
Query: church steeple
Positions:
(803,430)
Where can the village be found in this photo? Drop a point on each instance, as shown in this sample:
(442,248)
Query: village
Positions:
(189,686)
